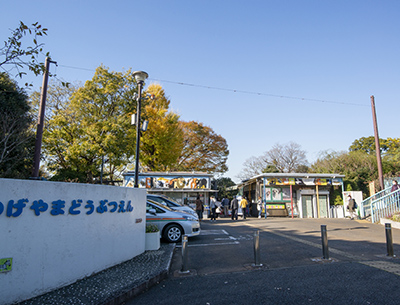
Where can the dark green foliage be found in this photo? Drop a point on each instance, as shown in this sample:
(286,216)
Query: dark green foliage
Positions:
(222,184)
(16,137)
(69,175)
(270,169)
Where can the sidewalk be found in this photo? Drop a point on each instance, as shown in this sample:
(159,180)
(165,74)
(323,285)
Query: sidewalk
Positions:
(114,285)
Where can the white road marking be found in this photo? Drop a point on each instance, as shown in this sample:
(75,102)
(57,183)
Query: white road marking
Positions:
(229,238)
(207,245)
(213,232)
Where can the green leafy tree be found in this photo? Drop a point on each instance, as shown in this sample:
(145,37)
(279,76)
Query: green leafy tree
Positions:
(223,184)
(358,167)
(367,144)
(18,54)
(95,125)
(203,150)
(393,144)
(270,169)
(58,99)
(16,137)
(162,143)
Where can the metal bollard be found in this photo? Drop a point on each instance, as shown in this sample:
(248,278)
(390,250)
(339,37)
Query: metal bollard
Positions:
(257,248)
(324,237)
(184,268)
(389,239)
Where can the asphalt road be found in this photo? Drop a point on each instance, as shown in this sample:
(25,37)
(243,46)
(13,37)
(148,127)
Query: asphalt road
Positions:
(221,261)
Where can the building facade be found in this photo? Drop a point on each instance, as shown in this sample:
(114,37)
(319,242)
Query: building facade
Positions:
(183,187)
(292,194)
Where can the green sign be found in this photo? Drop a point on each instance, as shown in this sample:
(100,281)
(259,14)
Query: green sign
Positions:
(5,264)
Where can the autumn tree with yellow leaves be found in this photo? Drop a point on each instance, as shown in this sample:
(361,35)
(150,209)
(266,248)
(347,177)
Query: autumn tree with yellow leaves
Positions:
(162,143)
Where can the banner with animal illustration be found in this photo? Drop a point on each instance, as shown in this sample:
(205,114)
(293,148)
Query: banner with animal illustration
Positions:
(303,181)
(171,182)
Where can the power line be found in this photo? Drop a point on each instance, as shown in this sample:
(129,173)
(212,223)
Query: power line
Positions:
(258,93)
(237,91)
(77,68)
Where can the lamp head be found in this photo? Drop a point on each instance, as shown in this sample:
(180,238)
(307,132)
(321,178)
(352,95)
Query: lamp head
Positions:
(140,76)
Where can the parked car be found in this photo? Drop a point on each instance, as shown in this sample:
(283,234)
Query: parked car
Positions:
(172,204)
(173,224)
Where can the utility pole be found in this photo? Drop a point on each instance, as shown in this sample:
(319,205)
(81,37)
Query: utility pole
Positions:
(377,145)
(40,124)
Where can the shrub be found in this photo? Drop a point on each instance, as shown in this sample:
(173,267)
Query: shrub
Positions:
(150,228)
(396,217)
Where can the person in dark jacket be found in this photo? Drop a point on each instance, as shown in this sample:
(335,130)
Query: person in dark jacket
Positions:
(199,208)
(225,204)
(234,207)
(351,206)
(394,188)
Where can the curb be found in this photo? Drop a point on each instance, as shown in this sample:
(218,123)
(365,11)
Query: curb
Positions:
(394,224)
(135,290)
(114,285)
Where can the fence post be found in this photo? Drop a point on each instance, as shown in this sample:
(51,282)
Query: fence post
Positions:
(324,237)
(184,268)
(389,239)
(372,213)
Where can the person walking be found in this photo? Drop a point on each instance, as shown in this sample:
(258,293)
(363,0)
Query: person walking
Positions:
(199,208)
(213,207)
(259,206)
(243,205)
(225,204)
(249,208)
(351,206)
(234,208)
(394,188)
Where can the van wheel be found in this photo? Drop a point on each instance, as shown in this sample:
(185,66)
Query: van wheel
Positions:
(173,233)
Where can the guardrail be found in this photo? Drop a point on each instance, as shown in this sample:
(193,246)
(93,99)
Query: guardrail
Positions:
(385,206)
(365,205)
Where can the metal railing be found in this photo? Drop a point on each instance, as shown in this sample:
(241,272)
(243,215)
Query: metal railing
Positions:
(365,205)
(385,206)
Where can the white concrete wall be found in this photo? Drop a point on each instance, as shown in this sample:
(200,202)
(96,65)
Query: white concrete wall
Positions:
(51,251)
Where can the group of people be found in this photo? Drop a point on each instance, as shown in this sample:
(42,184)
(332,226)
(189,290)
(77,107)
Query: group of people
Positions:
(215,207)
(224,206)
(244,205)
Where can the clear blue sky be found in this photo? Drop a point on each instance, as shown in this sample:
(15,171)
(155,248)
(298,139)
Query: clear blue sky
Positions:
(337,51)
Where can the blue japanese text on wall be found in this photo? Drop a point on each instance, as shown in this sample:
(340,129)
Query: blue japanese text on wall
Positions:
(60,207)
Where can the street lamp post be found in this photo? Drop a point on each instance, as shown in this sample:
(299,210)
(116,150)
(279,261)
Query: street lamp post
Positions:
(140,77)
